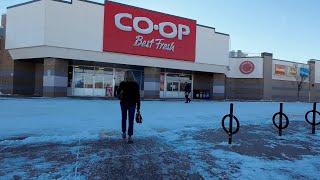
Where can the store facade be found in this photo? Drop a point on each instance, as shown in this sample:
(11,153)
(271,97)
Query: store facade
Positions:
(83,48)
(266,78)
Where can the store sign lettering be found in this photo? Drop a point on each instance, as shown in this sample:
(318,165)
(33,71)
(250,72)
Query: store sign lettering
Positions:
(180,31)
(154,43)
(138,31)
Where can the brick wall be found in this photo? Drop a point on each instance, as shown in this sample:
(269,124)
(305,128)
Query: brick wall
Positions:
(24,77)
(243,88)
(6,69)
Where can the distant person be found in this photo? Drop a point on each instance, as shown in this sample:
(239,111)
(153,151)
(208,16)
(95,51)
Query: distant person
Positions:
(129,94)
(187,92)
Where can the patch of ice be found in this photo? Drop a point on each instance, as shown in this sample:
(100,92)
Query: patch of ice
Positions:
(254,167)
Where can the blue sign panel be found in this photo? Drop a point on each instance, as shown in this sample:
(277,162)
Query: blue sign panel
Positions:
(304,72)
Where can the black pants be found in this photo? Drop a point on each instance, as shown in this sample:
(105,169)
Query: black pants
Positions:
(125,110)
(187,97)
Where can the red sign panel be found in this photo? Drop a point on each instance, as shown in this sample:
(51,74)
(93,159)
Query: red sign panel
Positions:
(138,31)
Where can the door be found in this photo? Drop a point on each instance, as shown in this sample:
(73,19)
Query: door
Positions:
(119,76)
(172,89)
(83,81)
(175,85)
(103,82)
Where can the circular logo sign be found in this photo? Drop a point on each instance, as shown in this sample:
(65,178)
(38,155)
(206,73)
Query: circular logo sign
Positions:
(246,67)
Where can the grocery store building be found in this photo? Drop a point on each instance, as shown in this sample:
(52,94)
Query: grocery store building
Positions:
(83,48)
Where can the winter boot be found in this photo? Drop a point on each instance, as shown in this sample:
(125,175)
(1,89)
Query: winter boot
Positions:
(130,141)
(124,135)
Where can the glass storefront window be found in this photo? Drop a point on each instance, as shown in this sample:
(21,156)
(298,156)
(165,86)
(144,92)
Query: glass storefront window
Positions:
(182,86)
(138,77)
(79,80)
(172,77)
(173,86)
(99,81)
(88,81)
(185,77)
(119,76)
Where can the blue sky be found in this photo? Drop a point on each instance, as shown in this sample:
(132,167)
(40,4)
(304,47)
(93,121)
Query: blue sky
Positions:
(287,28)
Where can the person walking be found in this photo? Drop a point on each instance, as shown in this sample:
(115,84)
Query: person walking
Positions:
(129,94)
(187,91)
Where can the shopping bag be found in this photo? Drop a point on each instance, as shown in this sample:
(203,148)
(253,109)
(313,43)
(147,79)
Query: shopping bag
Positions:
(138,117)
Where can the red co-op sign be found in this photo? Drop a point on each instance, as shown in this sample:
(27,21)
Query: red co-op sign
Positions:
(138,31)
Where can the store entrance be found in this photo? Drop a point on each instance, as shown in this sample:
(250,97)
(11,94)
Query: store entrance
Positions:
(91,81)
(172,85)
(98,81)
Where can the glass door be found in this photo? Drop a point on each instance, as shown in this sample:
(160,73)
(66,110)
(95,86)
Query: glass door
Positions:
(88,81)
(172,86)
(108,81)
(175,85)
(82,82)
(103,82)
(118,77)
(98,85)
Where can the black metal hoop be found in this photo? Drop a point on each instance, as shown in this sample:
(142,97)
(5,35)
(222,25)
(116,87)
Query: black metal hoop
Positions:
(285,117)
(229,130)
(306,117)
(314,114)
(237,124)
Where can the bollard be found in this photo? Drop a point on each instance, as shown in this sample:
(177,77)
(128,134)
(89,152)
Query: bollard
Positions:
(281,115)
(230,131)
(313,123)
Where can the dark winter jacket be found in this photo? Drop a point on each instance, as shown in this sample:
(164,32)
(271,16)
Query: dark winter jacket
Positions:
(188,88)
(129,93)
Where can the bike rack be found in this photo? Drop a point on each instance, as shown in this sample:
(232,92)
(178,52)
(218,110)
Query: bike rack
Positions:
(230,131)
(281,115)
(314,113)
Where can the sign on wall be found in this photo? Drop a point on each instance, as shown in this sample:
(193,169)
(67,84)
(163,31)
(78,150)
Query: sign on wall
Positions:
(250,67)
(304,72)
(246,67)
(289,71)
(143,32)
(280,69)
(292,71)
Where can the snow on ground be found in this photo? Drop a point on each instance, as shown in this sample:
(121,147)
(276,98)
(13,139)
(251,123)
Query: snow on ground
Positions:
(71,138)
(73,118)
